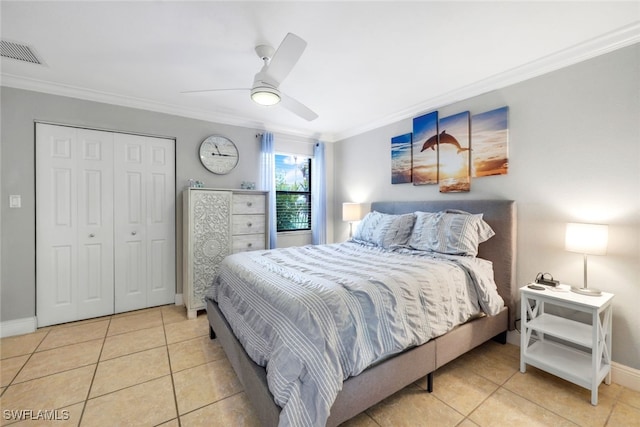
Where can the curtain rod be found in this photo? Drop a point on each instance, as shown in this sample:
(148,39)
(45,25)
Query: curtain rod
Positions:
(293,139)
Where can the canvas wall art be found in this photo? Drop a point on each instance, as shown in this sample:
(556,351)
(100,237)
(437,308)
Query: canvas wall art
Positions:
(425,149)
(490,136)
(454,173)
(401,158)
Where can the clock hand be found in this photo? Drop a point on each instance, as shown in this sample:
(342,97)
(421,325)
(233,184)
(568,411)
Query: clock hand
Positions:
(216,145)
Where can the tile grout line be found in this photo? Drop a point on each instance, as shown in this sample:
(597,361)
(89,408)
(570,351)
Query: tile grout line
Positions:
(464,417)
(191,367)
(539,405)
(467,417)
(95,371)
(615,404)
(20,370)
(30,355)
(216,401)
(173,384)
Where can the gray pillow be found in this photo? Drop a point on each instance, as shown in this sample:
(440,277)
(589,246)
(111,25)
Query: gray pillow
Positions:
(450,232)
(384,230)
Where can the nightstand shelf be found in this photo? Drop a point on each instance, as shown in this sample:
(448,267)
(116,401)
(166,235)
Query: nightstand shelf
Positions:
(565,362)
(575,351)
(565,329)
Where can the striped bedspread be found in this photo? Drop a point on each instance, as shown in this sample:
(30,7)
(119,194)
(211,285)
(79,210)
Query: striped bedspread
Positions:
(316,315)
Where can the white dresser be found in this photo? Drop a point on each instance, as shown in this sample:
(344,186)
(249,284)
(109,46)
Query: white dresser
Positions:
(216,223)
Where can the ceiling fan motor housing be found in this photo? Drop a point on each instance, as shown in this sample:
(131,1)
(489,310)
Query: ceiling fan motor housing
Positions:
(265,52)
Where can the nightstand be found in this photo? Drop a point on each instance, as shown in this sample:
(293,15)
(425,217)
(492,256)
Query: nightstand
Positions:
(575,351)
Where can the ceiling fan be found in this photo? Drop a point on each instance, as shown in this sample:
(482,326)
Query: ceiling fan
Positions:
(277,65)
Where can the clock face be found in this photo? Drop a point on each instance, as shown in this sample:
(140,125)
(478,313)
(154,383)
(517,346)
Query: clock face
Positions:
(218,154)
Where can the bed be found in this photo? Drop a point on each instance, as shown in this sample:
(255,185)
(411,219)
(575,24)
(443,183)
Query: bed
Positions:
(391,370)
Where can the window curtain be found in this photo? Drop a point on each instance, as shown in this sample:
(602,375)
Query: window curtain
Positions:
(318,196)
(268,182)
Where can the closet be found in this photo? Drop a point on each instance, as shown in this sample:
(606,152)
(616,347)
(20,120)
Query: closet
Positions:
(105,223)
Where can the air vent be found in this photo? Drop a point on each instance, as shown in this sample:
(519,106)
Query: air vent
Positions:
(19,52)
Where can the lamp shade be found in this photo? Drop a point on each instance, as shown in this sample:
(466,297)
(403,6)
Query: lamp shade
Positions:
(351,211)
(587,238)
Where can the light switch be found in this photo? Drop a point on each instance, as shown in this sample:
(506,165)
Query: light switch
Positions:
(15,201)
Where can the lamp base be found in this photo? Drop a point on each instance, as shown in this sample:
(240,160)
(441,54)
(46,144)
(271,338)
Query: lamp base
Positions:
(586,291)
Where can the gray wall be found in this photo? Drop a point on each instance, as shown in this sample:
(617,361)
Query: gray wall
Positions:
(21,108)
(574,156)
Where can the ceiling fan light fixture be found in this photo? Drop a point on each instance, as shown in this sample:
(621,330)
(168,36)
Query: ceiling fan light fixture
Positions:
(264,95)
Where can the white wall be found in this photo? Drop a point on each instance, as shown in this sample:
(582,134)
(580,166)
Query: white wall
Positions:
(574,156)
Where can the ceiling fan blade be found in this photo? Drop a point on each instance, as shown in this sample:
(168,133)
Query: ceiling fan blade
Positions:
(288,53)
(297,108)
(214,90)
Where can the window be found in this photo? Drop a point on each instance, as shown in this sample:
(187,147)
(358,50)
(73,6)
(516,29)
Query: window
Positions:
(293,192)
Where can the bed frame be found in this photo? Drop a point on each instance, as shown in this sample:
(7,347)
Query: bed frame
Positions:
(383,379)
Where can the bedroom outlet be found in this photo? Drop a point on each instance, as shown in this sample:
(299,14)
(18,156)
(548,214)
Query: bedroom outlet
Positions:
(15,201)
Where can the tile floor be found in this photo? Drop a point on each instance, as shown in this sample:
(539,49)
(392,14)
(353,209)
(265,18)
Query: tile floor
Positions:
(156,368)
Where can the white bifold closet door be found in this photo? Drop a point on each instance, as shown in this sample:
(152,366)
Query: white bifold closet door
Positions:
(144,222)
(101,198)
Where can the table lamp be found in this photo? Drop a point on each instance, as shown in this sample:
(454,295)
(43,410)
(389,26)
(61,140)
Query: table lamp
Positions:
(587,239)
(351,212)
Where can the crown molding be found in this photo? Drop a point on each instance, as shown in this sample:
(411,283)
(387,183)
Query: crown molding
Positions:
(623,37)
(25,83)
(609,42)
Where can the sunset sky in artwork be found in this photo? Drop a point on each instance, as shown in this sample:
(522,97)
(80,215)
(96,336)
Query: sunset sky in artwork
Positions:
(490,136)
(454,172)
(452,163)
(425,163)
(401,159)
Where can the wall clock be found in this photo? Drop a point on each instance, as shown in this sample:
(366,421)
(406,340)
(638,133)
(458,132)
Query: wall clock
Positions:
(218,154)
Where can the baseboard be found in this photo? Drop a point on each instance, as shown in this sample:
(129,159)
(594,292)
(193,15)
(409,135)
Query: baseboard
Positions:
(18,327)
(27,325)
(625,375)
(513,337)
(179,300)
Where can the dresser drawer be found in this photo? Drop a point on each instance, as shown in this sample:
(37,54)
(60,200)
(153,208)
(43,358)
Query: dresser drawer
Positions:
(248,242)
(248,224)
(249,203)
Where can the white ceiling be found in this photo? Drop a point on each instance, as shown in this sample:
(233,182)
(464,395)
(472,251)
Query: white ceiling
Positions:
(366,64)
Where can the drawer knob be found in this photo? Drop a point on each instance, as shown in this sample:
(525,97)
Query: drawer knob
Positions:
(249,224)
(92,235)
(249,204)
(249,245)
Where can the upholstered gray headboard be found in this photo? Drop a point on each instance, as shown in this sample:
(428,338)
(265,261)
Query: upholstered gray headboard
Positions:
(500,249)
